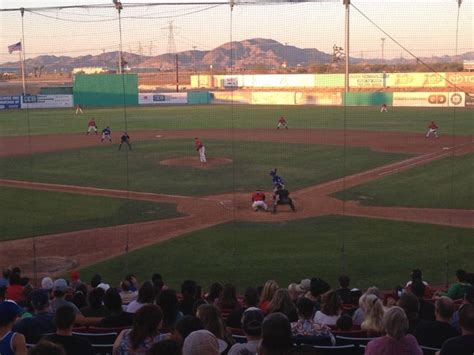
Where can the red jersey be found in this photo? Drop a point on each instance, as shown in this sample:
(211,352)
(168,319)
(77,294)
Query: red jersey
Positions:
(258,196)
(433,126)
(198,144)
(92,123)
(282,120)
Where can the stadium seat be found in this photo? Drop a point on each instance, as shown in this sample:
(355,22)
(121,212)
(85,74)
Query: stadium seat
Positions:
(429,351)
(102,343)
(325,350)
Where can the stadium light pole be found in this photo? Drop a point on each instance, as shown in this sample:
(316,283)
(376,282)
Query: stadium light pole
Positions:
(346,76)
(119,7)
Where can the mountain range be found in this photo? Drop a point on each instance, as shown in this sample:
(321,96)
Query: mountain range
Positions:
(247,54)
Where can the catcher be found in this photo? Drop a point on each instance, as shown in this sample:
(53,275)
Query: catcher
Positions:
(282,197)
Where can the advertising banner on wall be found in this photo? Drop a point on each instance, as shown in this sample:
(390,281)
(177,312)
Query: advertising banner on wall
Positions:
(167,98)
(462,79)
(318,98)
(46,101)
(429,99)
(416,80)
(368,80)
(7,102)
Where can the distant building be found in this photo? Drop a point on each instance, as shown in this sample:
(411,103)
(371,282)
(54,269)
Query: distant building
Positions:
(89,70)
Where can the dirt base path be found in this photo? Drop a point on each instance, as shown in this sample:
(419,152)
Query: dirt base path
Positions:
(86,247)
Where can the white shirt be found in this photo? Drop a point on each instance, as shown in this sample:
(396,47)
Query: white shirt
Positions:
(134,306)
(322,318)
(251,345)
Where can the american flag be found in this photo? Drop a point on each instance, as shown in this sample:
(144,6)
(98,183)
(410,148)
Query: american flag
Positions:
(14,47)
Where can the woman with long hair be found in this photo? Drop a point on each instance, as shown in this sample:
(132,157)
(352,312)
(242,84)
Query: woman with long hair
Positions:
(144,333)
(373,310)
(268,291)
(228,299)
(282,302)
(168,301)
(330,309)
(211,319)
(146,295)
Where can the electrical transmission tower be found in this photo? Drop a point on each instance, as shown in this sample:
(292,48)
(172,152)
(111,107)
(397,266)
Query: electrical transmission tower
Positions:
(171,42)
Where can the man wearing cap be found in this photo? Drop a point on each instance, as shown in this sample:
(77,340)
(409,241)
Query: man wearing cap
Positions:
(11,343)
(252,320)
(201,342)
(59,290)
(33,328)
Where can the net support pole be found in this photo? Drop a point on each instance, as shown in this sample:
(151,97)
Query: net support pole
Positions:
(22,51)
(346,76)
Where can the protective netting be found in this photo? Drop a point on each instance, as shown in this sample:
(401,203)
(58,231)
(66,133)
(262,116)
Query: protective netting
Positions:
(374,197)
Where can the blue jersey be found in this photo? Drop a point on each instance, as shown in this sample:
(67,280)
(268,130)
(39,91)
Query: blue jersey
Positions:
(106,131)
(276,180)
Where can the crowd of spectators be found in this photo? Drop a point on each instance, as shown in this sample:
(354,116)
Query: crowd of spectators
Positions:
(151,318)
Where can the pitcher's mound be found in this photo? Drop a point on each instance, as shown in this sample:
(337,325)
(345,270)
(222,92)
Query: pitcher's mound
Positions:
(195,163)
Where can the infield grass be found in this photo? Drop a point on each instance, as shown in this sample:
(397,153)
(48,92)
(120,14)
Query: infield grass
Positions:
(402,119)
(26,213)
(445,183)
(104,166)
(377,252)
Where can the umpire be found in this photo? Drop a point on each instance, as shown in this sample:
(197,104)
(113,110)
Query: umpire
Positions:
(282,197)
(125,139)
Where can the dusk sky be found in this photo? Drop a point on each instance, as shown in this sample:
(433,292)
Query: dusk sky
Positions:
(425,27)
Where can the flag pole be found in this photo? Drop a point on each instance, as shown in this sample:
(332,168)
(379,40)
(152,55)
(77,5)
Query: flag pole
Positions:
(22,52)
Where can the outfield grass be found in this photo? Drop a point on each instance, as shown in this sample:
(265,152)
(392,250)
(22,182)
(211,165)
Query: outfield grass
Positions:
(104,166)
(46,121)
(26,213)
(377,252)
(446,183)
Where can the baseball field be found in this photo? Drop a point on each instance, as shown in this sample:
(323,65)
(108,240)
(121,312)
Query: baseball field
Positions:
(374,198)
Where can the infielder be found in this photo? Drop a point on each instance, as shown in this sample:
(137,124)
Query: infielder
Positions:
(79,109)
(91,126)
(432,128)
(201,149)
(276,180)
(106,134)
(282,123)
(258,201)
(383,108)
(125,139)
(282,197)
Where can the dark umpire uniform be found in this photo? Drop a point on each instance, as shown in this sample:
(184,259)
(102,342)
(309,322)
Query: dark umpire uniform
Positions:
(125,139)
(282,197)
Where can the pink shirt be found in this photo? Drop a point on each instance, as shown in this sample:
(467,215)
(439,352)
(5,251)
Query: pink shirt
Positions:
(390,346)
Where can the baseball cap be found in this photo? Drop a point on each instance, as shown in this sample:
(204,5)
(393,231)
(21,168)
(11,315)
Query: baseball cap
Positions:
(103,286)
(252,320)
(201,342)
(9,310)
(304,285)
(60,285)
(39,299)
(47,283)
(74,276)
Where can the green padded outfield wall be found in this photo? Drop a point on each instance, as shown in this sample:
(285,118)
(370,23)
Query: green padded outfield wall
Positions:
(199,97)
(368,98)
(106,90)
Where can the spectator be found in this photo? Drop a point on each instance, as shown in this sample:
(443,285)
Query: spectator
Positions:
(458,289)
(295,292)
(228,299)
(330,309)
(464,344)
(5,277)
(75,281)
(186,326)
(189,294)
(409,303)
(133,282)
(358,316)
(416,275)
(317,288)
(158,283)
(268,291)
(344,323)
(168,302)
(304,286)
(276,335)
(15,289)
(146,295)
(373,310)
(252,320)
(45,347)
(41,323)
(427,309)
(126,294)
(212,321)
(250,300)
(214,292)
(344,292)
(201,342)
(96,280)
(95,307)
(74,345)
(281,302)
(305,326)
(80,296)
(433,334)
(117,318)
(59,291)
(396,341)
(144,333)
(468,299)
(10,342)
(165,347)
(47,285)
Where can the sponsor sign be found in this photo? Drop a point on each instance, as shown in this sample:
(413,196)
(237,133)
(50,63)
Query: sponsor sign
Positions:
(368,80)
(7,102)
(429,99)
(168,98)
(318,98)
(231,82)
(469,100)
(460,79)
(416,80)
(46,101)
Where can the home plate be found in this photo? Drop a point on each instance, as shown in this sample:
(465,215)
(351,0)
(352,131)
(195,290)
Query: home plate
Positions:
(158,136)
(446,148)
